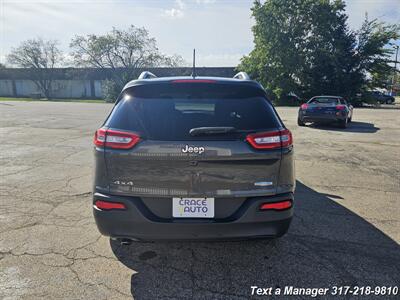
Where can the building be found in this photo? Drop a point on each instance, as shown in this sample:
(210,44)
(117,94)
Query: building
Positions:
(84,82)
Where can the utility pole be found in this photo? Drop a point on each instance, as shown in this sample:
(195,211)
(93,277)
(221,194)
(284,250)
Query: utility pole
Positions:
(395,68)
(194,64)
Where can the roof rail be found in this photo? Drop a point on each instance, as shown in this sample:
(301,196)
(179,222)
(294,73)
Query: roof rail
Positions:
(242,75)
(146,75)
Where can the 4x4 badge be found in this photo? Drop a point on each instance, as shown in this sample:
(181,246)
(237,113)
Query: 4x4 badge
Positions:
(121,182)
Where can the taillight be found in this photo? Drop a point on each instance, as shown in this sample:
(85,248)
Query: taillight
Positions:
(340,107)
(107,205)
(286,138)
(99,137)
(276,205)
(115,139)
(270,140)
(193,81)
(304,106)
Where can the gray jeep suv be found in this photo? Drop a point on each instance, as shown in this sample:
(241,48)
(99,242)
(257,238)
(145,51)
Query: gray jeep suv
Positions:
(183,158)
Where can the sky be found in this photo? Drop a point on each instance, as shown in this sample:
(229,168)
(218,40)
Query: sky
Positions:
(220,30)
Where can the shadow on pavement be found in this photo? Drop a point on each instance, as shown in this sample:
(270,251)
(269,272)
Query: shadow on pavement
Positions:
(327,245)
(354,126)
(382,106)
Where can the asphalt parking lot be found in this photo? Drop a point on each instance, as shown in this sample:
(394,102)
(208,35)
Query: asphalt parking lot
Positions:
(346,229)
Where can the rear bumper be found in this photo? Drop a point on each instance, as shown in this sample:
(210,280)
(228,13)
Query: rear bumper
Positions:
(138,223)
(322,118)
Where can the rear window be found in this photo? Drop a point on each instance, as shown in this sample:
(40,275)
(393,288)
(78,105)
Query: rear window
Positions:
(324,100)
(171,115)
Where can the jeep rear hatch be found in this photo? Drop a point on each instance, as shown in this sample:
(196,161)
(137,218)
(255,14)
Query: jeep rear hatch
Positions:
(193,139)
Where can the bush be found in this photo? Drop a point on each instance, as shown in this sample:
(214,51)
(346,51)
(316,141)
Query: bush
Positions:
(290,99)
(111,90)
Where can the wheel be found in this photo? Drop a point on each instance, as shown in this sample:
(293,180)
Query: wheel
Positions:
(343,123)
(300,122)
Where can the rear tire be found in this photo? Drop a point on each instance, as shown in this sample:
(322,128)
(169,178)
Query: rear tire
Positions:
(300,122)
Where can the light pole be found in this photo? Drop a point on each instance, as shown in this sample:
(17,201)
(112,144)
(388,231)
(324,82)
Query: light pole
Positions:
(395,68)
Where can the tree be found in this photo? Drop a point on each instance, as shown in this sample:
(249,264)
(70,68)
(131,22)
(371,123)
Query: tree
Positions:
(120,53)
(373,54)
(305,47)
(41,58)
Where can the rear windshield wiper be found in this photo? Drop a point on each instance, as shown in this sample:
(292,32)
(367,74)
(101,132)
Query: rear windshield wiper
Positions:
(211,130)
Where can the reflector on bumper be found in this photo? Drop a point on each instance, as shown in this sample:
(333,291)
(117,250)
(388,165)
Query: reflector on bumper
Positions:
(277,205)
(106,205)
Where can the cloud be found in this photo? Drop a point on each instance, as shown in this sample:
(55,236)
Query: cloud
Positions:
(387,11)
(180,4)
(176,12)
(205,1)
(218,60)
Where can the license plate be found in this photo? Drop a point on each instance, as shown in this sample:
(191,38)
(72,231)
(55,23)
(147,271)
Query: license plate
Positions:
(193,207)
